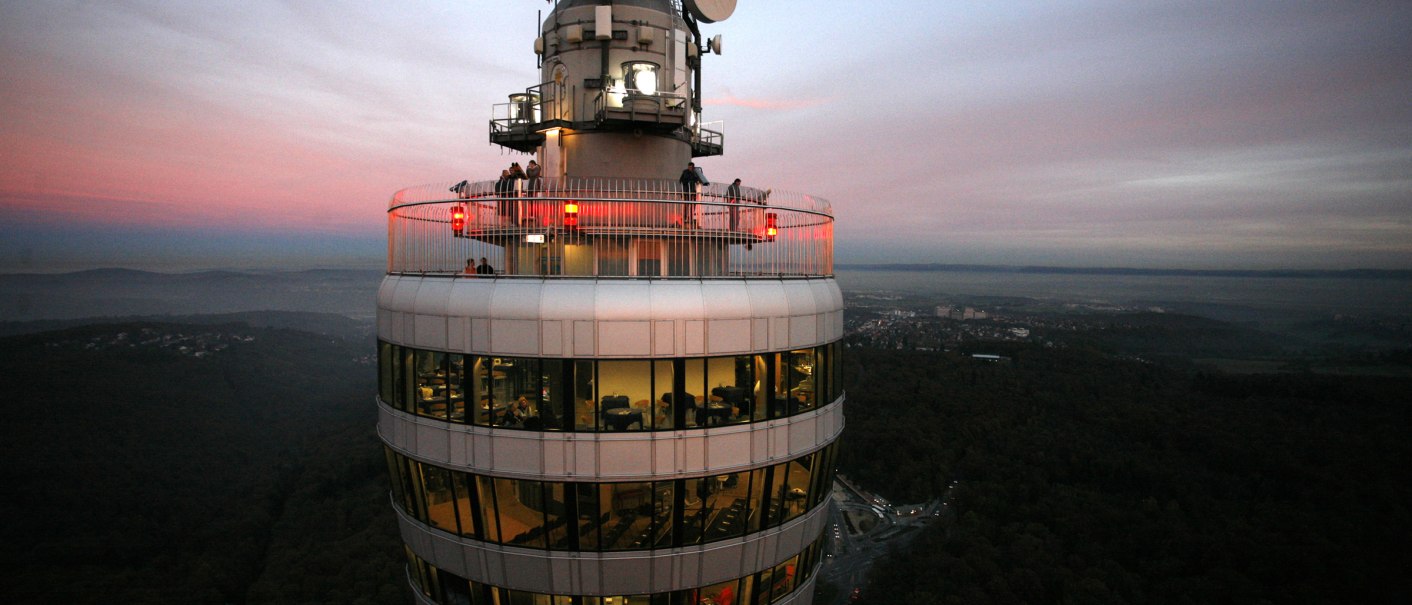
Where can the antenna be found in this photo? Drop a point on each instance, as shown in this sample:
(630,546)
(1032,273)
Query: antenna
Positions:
(710,11)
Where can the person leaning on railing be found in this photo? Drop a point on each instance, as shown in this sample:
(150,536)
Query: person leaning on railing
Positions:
(733,197)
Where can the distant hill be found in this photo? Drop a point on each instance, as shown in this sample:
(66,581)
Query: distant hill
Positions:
(1296,273)
(126,292)
(210,462)
(318,323)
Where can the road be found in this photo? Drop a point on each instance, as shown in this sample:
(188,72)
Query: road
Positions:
(851,549)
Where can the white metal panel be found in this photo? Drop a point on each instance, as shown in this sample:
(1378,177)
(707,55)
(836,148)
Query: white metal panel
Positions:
(767,299)
(695,338)
(726,336)
(387,290)
(584,344)
(728,451)
(800,298)
(514,336)
(516,299)
(623,300)
(429,331)
(603,22)
(726,299)
(431,442)
(551,338)
(518,454)
(803,330)
(677,300)
(433,296)
(567,300)
(404,296)
(480,335)
(618,459)
(471,297)
(624,338)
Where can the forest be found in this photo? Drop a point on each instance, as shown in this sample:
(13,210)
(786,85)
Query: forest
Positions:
(1086,477)
(236,462)
(183,463)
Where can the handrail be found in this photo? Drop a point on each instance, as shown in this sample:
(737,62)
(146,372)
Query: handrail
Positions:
(609,228)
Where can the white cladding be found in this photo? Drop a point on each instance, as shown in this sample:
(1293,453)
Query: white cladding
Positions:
(608,318)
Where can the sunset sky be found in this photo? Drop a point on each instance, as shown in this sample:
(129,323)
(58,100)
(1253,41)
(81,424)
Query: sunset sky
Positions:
(181,135)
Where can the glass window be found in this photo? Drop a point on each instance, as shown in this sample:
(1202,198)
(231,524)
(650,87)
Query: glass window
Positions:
(612,258)
(456,387)
(627,520)
(430,392)
(585,404)
(557,516)
(419,572)
(489,521)
(763,393)
(726,505)
(624,393)
(798,372)
(457,590)
(731,380)
(756,513)
(782,580)
(515,387)
(716,594)
(794,492)
(441,501)
(520,503)
(480,380)
(465,502)
(406,381)
(398,477)
(416,490)
(589,519)
(696,512)
(555,402)
(679,253)
(747,590)
(663,416)
(386,372)
(649,258)
(663,503)
(773,501)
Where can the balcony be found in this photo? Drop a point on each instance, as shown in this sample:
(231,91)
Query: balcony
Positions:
(609,228)
(521,123)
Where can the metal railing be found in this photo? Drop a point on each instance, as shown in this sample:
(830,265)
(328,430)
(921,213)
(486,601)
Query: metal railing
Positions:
(618,228)
(539,104)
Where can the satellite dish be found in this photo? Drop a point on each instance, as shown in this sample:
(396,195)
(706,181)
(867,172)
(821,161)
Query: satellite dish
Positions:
(710,11)
(714,44)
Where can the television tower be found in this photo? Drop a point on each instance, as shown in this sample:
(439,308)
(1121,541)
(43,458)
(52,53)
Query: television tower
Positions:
(602,379)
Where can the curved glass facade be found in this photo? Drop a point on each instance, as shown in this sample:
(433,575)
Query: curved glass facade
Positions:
(617,516)
(768,586)
(587,395)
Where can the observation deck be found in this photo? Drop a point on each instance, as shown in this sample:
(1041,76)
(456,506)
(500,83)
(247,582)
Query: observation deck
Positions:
(611,228)
(521,124)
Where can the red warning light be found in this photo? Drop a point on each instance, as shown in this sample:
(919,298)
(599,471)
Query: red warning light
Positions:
(771,229)
(458,219)
(571,215)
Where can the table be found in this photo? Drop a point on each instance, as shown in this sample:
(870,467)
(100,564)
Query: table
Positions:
(620,419)
(717,412)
